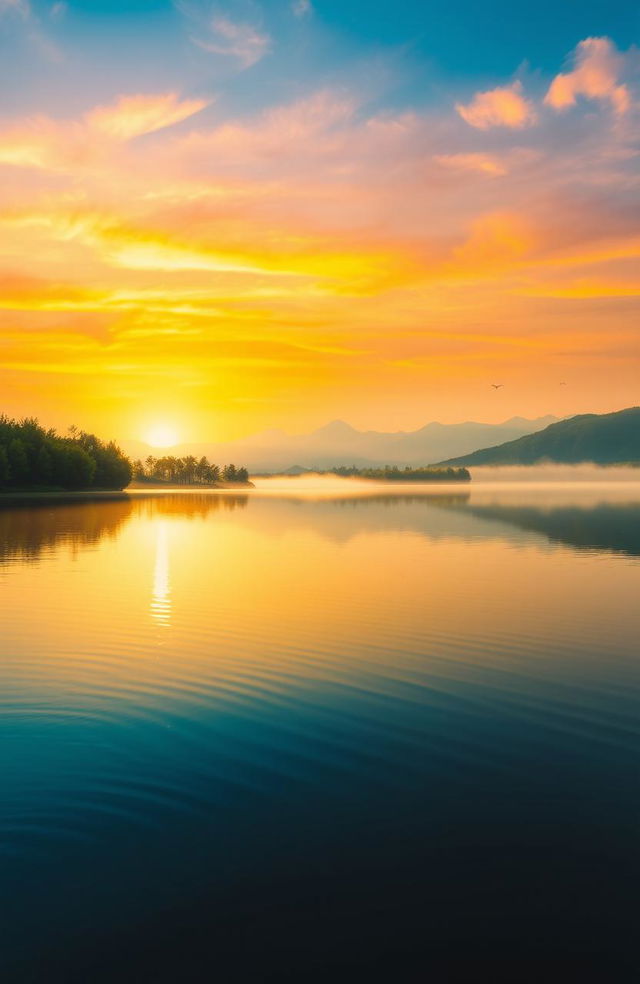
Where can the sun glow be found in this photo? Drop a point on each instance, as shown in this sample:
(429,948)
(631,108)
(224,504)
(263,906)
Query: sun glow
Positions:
(162,436)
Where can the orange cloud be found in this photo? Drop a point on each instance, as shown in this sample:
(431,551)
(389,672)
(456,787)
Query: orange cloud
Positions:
(596,75)
(503,106)
(132,116)
(55,145)
(500,234)
(484,163)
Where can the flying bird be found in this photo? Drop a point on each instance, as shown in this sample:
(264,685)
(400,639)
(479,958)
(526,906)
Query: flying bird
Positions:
(563,384)
(497,386)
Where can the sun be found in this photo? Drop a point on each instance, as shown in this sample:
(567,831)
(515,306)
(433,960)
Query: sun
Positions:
(162,436)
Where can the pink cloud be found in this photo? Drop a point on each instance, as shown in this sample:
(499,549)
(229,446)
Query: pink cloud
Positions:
(503,106)
(598,66)
(279,134)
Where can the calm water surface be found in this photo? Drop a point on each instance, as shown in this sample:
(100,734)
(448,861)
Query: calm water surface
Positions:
(269,736)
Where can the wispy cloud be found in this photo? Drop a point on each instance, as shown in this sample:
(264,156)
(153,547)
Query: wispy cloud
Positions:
(132,116)
(301,8)
(24,14)
(69,146)
(215,30)
(598,67)
(236,40)
(503,106)
(58,10)
(484,163)
(20,7)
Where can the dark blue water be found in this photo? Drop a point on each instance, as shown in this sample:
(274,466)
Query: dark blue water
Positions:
(278,738)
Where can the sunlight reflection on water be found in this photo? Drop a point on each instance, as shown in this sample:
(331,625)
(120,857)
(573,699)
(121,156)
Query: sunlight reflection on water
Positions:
(161,596)
(404,719)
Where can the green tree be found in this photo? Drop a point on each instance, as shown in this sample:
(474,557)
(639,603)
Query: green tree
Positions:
(73,467)
(18,461)
(44,465)
(5,471)
(32,456)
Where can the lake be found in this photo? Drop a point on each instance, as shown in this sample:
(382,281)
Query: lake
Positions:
(321,732)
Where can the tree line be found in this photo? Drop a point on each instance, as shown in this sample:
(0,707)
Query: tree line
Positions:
(33,457)
(186,471)
(392,473)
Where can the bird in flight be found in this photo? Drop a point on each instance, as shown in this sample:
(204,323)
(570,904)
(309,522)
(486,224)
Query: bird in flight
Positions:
(497,386)
(563,384)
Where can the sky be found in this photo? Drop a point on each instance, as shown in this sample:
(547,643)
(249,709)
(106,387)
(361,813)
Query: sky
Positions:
(218,218)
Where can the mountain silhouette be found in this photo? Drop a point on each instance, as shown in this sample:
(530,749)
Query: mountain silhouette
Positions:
(604,439)
(338,443)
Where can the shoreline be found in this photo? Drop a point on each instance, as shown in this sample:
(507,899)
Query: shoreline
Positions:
(176,487)
(111,495)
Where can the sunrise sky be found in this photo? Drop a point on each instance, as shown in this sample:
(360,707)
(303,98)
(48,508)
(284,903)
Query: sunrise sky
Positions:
(217,218)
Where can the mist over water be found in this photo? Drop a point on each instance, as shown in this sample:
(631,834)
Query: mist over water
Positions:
(321,729)
(556,475)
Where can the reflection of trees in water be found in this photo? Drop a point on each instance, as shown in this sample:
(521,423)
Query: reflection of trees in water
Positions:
(190,505)
(606,526)
(30,527)
(453,498)
(378,499)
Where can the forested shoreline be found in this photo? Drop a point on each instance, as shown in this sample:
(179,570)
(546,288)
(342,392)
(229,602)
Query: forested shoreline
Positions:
(392,473)
(32,457)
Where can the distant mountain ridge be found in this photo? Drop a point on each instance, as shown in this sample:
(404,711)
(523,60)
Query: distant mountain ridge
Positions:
(603,439)
(338,443)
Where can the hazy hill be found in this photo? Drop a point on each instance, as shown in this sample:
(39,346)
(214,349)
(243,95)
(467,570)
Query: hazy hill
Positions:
(337,443)
(604,439)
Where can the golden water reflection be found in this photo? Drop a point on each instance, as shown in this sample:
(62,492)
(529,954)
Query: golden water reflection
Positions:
(161,594)
(608,521)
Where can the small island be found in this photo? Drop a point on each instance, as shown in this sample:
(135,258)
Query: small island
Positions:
(393,473)
(188,471)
